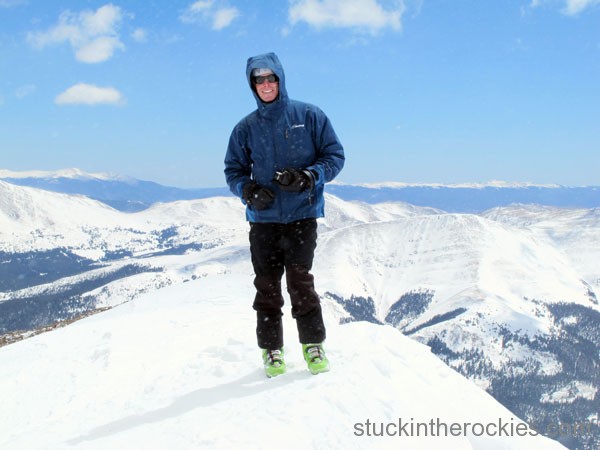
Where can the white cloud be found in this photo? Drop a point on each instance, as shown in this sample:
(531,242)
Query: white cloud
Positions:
(200,6)
(88,94)
(139,35)
(570,8)
(574,7)
(366,15)
(223,17)
(11,3)
(92,34)
(216,12)
(99,50)
(25,90)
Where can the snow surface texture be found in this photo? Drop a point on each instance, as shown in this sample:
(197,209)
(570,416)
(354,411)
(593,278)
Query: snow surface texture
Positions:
(179,368)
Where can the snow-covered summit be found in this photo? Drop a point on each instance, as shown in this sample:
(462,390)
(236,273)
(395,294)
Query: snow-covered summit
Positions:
(72,173)
(35,219)
(179,368)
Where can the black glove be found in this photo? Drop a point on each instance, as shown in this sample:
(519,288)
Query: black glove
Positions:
(293,180)
(257,196)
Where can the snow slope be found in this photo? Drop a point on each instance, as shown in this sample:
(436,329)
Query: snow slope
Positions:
(178,368)
(447,253)
(34,219)
(484,278)
(576,232)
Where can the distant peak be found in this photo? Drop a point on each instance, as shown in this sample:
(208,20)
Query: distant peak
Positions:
(72,173)
(493,183)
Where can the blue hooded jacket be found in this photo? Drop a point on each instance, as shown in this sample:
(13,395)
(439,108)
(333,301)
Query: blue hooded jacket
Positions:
(278,135)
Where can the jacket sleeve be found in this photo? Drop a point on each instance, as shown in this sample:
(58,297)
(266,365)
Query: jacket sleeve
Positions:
(238,166)
(330,159)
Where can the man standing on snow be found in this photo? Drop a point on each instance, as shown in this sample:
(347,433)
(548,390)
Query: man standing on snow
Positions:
(278,160)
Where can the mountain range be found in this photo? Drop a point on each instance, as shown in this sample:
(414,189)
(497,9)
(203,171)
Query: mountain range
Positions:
(130,194)
(507,297)
(118,191)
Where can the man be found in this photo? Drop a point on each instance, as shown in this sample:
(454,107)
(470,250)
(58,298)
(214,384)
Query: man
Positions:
(278,160)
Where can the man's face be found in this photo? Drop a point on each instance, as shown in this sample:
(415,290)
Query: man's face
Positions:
(267,90)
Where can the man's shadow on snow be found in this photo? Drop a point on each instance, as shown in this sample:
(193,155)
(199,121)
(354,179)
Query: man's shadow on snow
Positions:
(251,384)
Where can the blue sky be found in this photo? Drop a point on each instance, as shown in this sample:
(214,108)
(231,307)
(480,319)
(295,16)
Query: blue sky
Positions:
(417,90)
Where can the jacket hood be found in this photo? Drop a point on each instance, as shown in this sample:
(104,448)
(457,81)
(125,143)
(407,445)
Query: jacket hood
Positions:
(269,61)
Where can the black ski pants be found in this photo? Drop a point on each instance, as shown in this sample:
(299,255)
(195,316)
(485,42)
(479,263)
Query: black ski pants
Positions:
(277,248)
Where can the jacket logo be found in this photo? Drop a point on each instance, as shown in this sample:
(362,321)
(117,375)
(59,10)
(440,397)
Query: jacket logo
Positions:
(299,125)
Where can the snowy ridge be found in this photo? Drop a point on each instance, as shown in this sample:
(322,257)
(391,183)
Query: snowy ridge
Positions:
(129,194)
(576,232)
(341,214)
(386,259)
(35,219)
(24,210)
(141,251)
(72,173)
(178,368)
(493,183)
(495,274)
(75,173)
(120,192)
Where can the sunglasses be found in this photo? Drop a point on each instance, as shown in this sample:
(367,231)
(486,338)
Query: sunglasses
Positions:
(272,78)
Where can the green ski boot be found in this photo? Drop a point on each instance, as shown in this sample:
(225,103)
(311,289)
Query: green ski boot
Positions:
(273,362)
(314,355)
